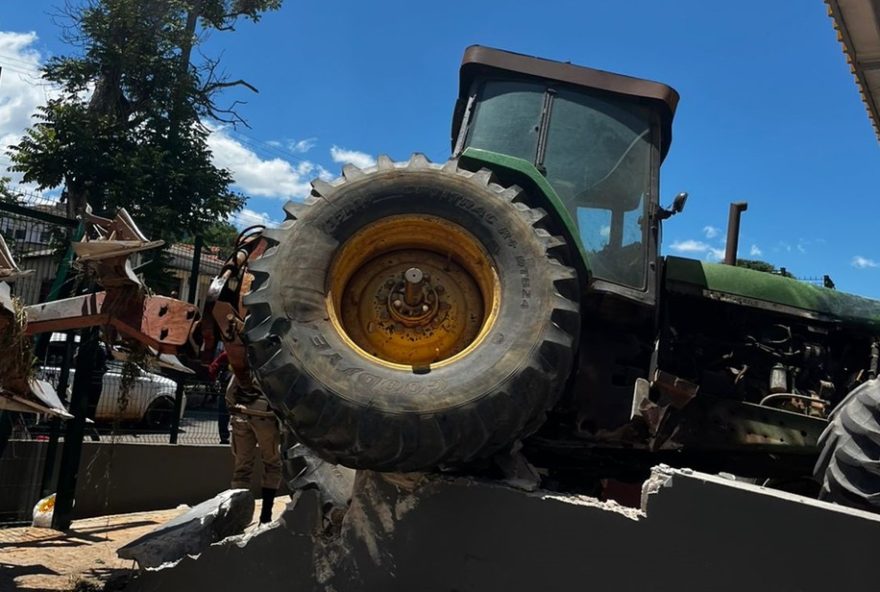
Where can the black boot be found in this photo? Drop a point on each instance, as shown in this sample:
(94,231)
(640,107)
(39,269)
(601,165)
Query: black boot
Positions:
(268,499)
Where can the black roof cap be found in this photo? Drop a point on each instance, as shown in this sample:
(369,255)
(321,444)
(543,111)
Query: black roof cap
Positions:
(479,60)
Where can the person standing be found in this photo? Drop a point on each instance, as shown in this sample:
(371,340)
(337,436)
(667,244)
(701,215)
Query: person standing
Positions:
(220,374)
(96,387)
(96,380)
(254,427)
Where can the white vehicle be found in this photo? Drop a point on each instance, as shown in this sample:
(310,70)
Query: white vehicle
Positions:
(150,398)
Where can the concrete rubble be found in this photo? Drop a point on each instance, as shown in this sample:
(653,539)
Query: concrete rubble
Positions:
(222,516)
(437,533)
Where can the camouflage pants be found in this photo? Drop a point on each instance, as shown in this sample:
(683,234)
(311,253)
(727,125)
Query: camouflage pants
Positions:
(251,434)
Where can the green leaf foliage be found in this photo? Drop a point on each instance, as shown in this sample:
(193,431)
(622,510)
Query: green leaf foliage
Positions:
(762,266)
(128,128)
(7,195)
(222,235)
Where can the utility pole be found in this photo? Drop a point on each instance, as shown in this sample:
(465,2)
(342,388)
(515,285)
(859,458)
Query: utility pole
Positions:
(71,454)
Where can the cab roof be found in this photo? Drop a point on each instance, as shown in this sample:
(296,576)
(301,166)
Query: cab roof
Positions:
(480,61)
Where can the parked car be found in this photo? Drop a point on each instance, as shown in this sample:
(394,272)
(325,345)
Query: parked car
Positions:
(150,399)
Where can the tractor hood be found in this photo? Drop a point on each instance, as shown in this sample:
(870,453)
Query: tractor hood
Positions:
(759,289)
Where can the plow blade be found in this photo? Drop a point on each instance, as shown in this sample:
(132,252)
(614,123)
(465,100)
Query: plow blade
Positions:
(41,398)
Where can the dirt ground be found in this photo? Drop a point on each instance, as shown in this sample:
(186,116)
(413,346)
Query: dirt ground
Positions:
(34,559)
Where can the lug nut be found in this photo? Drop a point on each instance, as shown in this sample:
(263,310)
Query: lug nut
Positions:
(425,308)
(397,303)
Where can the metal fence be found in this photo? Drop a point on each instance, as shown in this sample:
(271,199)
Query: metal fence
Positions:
(144,419)
(21,477)
(39,233)
(145,412)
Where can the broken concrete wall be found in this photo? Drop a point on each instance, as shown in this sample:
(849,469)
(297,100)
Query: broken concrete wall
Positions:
(279,556)
(697,532)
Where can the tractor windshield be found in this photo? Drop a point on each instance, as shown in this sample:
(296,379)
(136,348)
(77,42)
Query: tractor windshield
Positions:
(595,151)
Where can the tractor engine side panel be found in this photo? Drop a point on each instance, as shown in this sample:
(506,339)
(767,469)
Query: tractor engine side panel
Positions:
(758,356)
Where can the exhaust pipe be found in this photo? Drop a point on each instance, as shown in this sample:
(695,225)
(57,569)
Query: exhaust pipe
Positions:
(736,210)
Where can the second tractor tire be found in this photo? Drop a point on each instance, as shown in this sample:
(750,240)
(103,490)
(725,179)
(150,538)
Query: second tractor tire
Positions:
(848,468)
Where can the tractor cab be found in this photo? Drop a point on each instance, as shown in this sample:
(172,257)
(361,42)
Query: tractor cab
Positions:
(590,140)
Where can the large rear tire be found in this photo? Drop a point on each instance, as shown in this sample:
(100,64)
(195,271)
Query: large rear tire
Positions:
(848,468)
(375,366)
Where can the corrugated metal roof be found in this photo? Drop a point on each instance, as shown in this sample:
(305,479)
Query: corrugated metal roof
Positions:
(857,23)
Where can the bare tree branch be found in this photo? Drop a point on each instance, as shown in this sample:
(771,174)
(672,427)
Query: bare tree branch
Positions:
(214,86)
(228,115)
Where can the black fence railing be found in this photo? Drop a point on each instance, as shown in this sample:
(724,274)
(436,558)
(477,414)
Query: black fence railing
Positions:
(21,473)
(37,232)
(144,413)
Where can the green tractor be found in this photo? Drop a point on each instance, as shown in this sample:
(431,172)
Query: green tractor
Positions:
(415,315)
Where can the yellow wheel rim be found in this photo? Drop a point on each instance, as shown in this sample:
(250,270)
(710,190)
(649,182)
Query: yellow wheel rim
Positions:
(413,292)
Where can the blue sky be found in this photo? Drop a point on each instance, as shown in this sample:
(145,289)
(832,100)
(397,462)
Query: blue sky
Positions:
(769,112)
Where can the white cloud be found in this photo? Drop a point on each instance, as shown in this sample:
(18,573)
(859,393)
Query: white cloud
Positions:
(359,159)
(715,254)
(248,217)
(273,177)
(695,247)
(689,246)
(324,173)
(860,262)
(711,231)
(605,231)
(755,251)
(22,89)
(302,146)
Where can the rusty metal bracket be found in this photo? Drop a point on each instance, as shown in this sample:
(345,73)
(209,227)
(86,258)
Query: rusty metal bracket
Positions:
(673,393)
(677,391)
(162,323)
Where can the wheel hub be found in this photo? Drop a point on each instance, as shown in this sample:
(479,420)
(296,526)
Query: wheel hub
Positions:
(413,302)
(402,296)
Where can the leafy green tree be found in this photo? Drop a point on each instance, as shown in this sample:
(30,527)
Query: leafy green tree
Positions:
(763,266)
(222,235)
(7,195)
(128,127)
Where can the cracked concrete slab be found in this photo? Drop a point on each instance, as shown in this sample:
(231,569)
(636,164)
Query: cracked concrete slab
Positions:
(222,516)
(435,533)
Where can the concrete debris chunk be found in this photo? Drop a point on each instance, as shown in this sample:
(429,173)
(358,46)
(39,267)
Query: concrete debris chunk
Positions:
(192,532)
